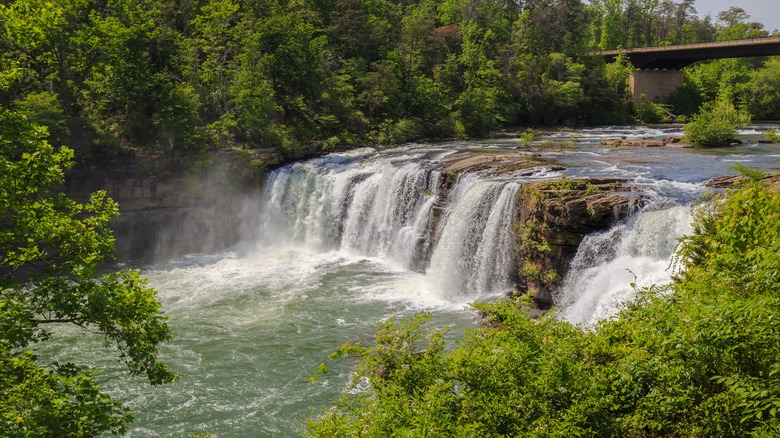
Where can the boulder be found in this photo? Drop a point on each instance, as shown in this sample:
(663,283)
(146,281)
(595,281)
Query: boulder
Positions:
(670,141)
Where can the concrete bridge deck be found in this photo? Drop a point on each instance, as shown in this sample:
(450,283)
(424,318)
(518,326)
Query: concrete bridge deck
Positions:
(679,56)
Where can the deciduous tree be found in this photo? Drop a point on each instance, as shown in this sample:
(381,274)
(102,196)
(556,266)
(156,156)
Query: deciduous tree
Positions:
(50,250)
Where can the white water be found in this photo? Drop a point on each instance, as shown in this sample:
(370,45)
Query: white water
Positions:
(474,252)
(384,208)
(609,267)
(347,241)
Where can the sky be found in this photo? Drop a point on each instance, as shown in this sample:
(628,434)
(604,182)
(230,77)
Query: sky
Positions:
(766,12)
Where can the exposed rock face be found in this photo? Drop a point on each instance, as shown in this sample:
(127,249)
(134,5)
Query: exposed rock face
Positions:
(165,214)
(670,142)
(494,163)
(730,182)
(554,217)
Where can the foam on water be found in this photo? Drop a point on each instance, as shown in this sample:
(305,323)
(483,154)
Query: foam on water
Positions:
(348,240)
(639,252)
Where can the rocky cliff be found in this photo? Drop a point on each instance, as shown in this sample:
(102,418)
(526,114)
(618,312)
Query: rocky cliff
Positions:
(166,213)
(553,217)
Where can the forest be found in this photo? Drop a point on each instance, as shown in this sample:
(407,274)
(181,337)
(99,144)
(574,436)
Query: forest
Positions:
(177,80)
(180,78)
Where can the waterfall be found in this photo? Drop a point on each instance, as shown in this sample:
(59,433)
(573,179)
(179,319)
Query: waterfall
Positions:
(385,207)
(474,253)
(606,264)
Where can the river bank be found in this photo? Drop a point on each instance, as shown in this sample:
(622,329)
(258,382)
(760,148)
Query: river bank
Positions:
(331,248)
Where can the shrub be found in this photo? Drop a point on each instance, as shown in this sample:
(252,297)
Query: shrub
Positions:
(649,112)
(527,137)
(697,358)
(715,125)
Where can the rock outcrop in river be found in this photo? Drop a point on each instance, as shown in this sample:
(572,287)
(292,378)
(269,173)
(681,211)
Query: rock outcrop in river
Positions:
(168,214)
(552,216)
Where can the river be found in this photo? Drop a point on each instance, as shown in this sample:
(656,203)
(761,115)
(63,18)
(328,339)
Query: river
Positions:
(346,241)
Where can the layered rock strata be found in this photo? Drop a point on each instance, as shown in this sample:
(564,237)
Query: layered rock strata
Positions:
(165,214)
(552,219)
(552,216)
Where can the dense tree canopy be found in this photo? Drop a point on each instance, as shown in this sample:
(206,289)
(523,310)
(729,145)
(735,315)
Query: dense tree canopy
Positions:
(179,77)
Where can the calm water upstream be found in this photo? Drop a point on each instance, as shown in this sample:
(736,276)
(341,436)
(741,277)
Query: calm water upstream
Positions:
(346,241)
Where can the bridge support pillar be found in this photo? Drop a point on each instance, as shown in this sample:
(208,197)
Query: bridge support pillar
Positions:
(654,85)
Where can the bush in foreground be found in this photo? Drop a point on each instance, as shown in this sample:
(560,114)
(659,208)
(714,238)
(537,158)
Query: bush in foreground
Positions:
(697,358)
(50,250)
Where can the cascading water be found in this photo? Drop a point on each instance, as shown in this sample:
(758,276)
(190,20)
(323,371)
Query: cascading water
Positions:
(474,252)
(373,208)
(384,208)
(342,237)
(606,265)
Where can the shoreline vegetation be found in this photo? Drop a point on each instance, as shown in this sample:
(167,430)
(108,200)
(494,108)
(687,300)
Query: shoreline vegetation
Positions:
(697,357)
(180,81)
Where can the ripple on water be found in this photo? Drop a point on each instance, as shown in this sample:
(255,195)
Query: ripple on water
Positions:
(252,324)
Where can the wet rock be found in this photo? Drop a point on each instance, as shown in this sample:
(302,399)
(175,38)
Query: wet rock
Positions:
(670,141)
(462,162)
(733,181)
(554,217)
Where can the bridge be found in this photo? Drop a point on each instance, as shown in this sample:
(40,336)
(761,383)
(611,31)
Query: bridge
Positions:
(658,72)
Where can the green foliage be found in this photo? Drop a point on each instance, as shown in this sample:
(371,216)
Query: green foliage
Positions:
(715,125)
(763,99)
(697,358)
(726,244)
(533,248)
(177,121)
(749,83)
(527,137)
(563,184)
(754,174)
(591,189)
(402,131)
(44,109)
(480,109)
(179,77)
(650,112)
(772,136)
(403,363)
(255,108)
(617,75)
(50,250)
(62,400)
